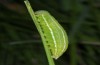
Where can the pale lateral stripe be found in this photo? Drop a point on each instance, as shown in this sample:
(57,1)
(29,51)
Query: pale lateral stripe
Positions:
(52,34)
(63,35)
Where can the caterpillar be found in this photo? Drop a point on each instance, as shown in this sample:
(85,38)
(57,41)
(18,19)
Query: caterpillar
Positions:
(52,33)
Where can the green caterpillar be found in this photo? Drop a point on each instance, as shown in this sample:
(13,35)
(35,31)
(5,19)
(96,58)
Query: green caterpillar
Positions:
(52,33)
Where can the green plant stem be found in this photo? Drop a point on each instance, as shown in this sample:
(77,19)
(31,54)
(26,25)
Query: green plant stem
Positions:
(50,59)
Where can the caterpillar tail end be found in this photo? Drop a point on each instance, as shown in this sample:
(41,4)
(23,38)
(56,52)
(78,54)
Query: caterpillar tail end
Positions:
(55,57)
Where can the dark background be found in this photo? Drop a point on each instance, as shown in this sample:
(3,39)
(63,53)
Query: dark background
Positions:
(20,42)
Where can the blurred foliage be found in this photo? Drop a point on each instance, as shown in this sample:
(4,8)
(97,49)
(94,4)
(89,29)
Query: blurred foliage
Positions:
(20,42)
